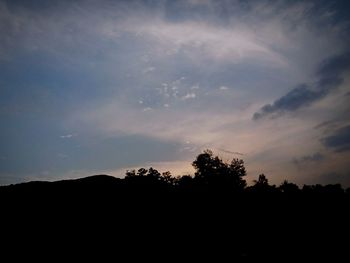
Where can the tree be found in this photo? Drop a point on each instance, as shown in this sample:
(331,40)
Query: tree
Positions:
(185,182)
(262,181)
(142,172)
(168,178)
(262,185)
(236,172)
(213,172)
(288,188)
(130,173)
(153,173)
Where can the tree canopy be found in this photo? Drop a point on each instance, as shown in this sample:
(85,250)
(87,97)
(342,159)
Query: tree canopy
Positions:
(213,171)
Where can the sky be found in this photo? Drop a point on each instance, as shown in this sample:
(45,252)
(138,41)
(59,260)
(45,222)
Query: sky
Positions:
(91,87)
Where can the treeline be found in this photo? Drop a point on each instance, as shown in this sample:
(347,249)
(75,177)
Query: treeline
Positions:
(212,173)
(209,216)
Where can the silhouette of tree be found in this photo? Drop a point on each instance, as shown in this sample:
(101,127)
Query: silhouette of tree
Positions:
(167,178)
(145,177)
(288,188)
(333,189)
(318,189)
(206,165)
(153,173)
(347,191)
(236,171)
(212,171)
(185,182)
(262,185)
(130,173)
(262,181)
(142,172)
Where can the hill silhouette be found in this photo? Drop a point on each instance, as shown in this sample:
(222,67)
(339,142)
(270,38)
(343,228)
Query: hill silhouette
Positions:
(211,215)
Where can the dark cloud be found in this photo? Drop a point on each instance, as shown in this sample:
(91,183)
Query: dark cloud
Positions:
(334,66)
(313,158)
(329,75)
(298,97)
(326,124)
(339,141)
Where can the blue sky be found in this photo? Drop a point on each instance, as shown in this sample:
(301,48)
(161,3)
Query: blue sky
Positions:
(92,87)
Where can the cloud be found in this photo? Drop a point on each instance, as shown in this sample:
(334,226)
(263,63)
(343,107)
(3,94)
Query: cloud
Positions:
(339,141)
(147,109)
(71,32)
(296,98)
(191,95)
(148,70)
(307,159)
(223,88)
(178,122)
(206,40)
(333,67)
(67,136)
(329,76)
(230,152)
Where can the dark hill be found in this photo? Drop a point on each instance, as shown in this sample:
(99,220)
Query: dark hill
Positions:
(93,179)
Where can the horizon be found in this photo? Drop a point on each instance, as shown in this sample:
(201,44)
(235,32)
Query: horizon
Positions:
(100,87)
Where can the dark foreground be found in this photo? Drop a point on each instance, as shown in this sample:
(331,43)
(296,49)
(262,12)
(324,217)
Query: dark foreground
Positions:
(102,216)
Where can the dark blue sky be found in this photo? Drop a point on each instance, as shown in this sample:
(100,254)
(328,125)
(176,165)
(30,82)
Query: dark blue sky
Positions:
(103,86)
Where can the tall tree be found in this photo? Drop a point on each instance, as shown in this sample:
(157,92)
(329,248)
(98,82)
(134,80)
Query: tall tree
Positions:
(212,171)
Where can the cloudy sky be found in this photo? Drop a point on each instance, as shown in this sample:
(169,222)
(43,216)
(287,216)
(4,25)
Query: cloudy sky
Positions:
(103,86)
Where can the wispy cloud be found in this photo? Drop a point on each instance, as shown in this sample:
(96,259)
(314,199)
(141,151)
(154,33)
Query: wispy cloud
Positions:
(67,136)
(205,40)
(148,70)
(223,88)
(191,95)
